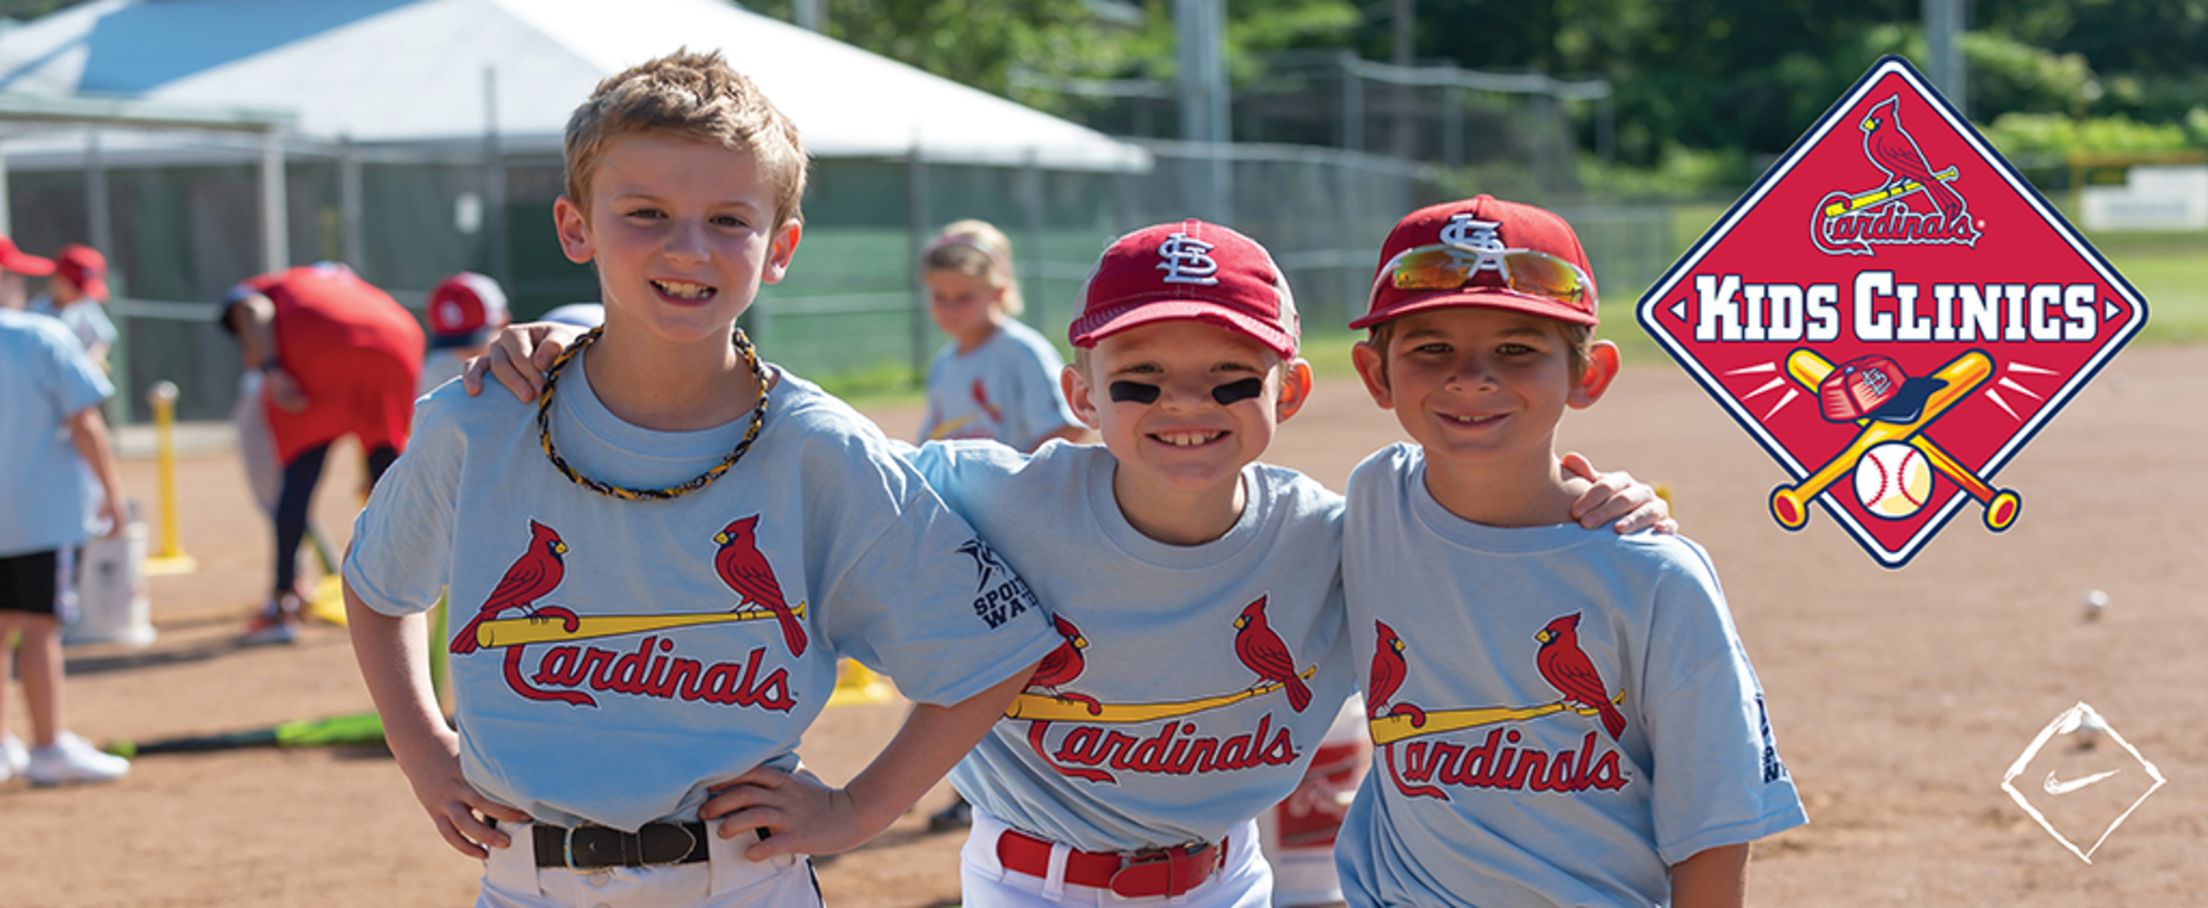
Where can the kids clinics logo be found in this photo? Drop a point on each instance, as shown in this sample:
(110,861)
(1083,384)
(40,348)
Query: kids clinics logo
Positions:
(1893,357)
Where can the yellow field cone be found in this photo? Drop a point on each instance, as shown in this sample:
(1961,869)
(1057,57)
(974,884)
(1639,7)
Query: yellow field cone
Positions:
(856,683)
(328,602)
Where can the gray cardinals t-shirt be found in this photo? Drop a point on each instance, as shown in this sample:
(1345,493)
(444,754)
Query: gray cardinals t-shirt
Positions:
(1497,779)
(1158,721)
(1006,389)
(615,657)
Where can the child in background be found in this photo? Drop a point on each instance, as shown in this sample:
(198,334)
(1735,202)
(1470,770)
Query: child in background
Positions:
(463,311)
(684,538)
(1561,717)
(76,295)
(997,378)
(50,432)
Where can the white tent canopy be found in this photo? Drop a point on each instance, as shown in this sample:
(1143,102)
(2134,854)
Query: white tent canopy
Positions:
(413,71)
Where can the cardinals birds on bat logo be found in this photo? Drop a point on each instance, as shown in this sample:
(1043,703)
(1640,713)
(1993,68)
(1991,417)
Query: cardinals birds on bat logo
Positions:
(536,573)
(1262,650)
(1063,665)
(1566,667)
(746,571)
(981,399)
(1852,223)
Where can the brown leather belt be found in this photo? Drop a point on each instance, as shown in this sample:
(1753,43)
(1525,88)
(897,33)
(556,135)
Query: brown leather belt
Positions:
(591,846)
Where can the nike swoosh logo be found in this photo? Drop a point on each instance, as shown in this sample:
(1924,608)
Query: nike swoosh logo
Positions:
(2062,788)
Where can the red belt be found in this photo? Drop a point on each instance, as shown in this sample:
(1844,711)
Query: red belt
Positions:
(1129,874)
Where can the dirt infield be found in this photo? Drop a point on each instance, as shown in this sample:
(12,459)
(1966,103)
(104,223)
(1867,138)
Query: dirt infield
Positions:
(1898,699)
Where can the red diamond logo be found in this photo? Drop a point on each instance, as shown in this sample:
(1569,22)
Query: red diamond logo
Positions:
(1892,312)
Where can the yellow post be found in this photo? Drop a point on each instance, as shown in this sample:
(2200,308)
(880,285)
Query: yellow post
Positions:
(171,559)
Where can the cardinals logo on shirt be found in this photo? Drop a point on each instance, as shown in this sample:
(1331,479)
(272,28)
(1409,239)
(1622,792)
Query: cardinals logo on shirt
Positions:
(1094,746)
(570,671)
(1504,759)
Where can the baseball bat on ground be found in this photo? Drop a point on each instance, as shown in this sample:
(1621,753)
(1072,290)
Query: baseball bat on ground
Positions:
(332,731)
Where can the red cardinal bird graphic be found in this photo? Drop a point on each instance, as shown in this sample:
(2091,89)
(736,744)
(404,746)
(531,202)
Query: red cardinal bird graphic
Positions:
(1568,669)
(747,572)
(981,399)
(1261,650)
(1388,672)
(1891,149)
(538,571)
(1063,665)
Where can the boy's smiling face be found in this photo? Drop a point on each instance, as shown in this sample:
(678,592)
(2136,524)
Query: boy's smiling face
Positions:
(682,232)
(1479,384)
(1185,440)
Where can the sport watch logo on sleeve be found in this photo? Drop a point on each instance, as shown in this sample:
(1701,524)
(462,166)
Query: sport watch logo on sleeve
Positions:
(1937,313)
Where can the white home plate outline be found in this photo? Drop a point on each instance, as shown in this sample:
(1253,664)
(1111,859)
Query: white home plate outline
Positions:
(2066,721)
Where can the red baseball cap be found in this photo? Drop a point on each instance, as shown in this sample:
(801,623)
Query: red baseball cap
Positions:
(85,267)
(13,258)
(1188,270)
(1482,252)
(1874,387)
(464,308)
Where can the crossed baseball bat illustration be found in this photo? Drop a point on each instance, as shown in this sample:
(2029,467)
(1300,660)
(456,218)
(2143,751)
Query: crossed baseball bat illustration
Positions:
(1790,504)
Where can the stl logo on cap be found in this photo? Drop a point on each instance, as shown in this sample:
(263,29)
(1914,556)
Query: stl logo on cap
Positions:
(1187,260)
(1475,236)
(1961,310)
(1210,274)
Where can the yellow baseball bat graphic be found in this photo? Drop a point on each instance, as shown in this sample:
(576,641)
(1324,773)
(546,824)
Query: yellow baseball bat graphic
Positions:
(1875,196)
(2001,505)
(524,631)
(1790,504)
(1046,708)
(1390,729)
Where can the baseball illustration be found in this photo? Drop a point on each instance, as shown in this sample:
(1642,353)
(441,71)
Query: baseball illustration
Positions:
(1893,480)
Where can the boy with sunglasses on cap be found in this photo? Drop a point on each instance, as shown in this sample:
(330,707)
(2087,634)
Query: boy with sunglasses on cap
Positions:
(1197,591)
(1561,717)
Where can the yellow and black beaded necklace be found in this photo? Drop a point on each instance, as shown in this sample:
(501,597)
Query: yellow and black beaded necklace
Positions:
(544,428)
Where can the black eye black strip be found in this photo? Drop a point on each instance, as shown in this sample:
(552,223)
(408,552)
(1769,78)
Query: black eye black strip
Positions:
(1135,391)
(1237,391)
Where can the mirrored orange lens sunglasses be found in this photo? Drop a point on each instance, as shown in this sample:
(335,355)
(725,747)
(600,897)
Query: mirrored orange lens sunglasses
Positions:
(1523,271)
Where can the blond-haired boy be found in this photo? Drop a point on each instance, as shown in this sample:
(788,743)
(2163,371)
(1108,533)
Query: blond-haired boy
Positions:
(1562,717)
(654,569)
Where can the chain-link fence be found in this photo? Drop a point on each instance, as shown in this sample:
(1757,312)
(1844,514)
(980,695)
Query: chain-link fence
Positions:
(1518,127)
(850,312)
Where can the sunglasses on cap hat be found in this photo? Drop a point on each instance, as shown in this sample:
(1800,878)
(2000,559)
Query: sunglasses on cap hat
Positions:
(1527,272)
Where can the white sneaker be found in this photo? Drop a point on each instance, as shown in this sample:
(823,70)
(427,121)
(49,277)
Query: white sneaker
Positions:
(72,759)
(13,757)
